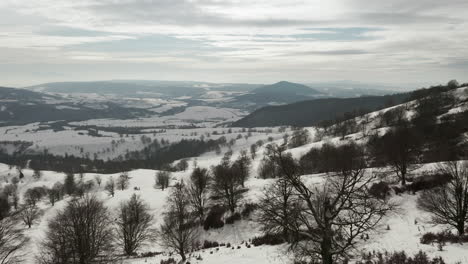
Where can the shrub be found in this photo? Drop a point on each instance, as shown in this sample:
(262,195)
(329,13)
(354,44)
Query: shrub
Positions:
(442,237)
(214,217)
(234,217)
(168,261)
(268,239)
(380,190)
(429,182)
(149,254)
(210,244)
(398,258)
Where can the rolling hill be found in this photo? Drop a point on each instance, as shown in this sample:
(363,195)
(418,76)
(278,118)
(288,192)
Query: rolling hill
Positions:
(311,112)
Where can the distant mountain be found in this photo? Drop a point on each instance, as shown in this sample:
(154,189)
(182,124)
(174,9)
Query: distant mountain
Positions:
(311,112)
(275,94)
(286,88)
(20,106)
(141,88)
(21,94)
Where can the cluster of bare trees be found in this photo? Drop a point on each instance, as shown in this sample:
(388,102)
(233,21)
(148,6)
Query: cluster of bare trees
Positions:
(322,222)
(229,178)
(85,231)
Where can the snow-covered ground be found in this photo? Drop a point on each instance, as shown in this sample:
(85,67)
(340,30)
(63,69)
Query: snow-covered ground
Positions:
(405,227)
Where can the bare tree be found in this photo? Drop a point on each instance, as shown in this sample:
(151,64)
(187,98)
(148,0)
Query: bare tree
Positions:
(331,215)
(299,138)
(12,241)
(37,174)
(35,194)
(162,179)
(278,207)
(133,224)
(400,150)
(29,214)
(55,193)
(69,183)
(225,184)
(123,181)
(110,187)
(253,151)
(98,180)
(241,167)
(198,191)
(178,233)
(448,204)
(80,233)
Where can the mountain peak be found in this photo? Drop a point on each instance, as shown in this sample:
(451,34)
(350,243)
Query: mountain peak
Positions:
(285,87)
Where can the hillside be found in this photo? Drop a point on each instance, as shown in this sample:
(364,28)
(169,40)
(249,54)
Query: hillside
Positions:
(311,112)
(398,230)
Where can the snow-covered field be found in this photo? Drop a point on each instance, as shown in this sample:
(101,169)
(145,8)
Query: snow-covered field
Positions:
(406,225)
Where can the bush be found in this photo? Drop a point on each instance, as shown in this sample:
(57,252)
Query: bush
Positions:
(234,217)
(210,244)
(398,258)
(214,217)
(380,190)
(268,239)
(168,261)
(149,254)
(428,182)
(442,237)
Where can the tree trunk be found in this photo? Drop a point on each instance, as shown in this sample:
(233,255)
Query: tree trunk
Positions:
(461,227)
(326,251)
(182,255)
(403,176)
(326,247)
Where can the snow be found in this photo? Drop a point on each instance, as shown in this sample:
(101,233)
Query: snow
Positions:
(407,225)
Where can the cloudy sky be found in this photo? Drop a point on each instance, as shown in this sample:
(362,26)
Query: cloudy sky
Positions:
(256,41)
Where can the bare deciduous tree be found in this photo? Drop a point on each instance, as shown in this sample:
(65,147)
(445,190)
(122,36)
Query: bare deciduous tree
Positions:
(162,179)
(110,187)
(241,167)
(448,204)
(178,233)
(400,150)
(123,181)
(11,241)
(253,151)
(29,213)
(331,215)
(225,184)
(98,180)
(278,209)
(134,224)
(80,233)
(299,138)
(198,191)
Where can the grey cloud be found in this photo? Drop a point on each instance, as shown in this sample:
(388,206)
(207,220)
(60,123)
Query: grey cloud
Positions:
(328,52)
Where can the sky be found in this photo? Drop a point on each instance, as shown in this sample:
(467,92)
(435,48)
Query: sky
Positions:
(396,42)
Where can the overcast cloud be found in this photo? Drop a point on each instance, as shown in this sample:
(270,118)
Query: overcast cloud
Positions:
(391,42)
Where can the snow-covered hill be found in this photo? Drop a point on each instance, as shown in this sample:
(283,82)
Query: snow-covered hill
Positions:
(401,230)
